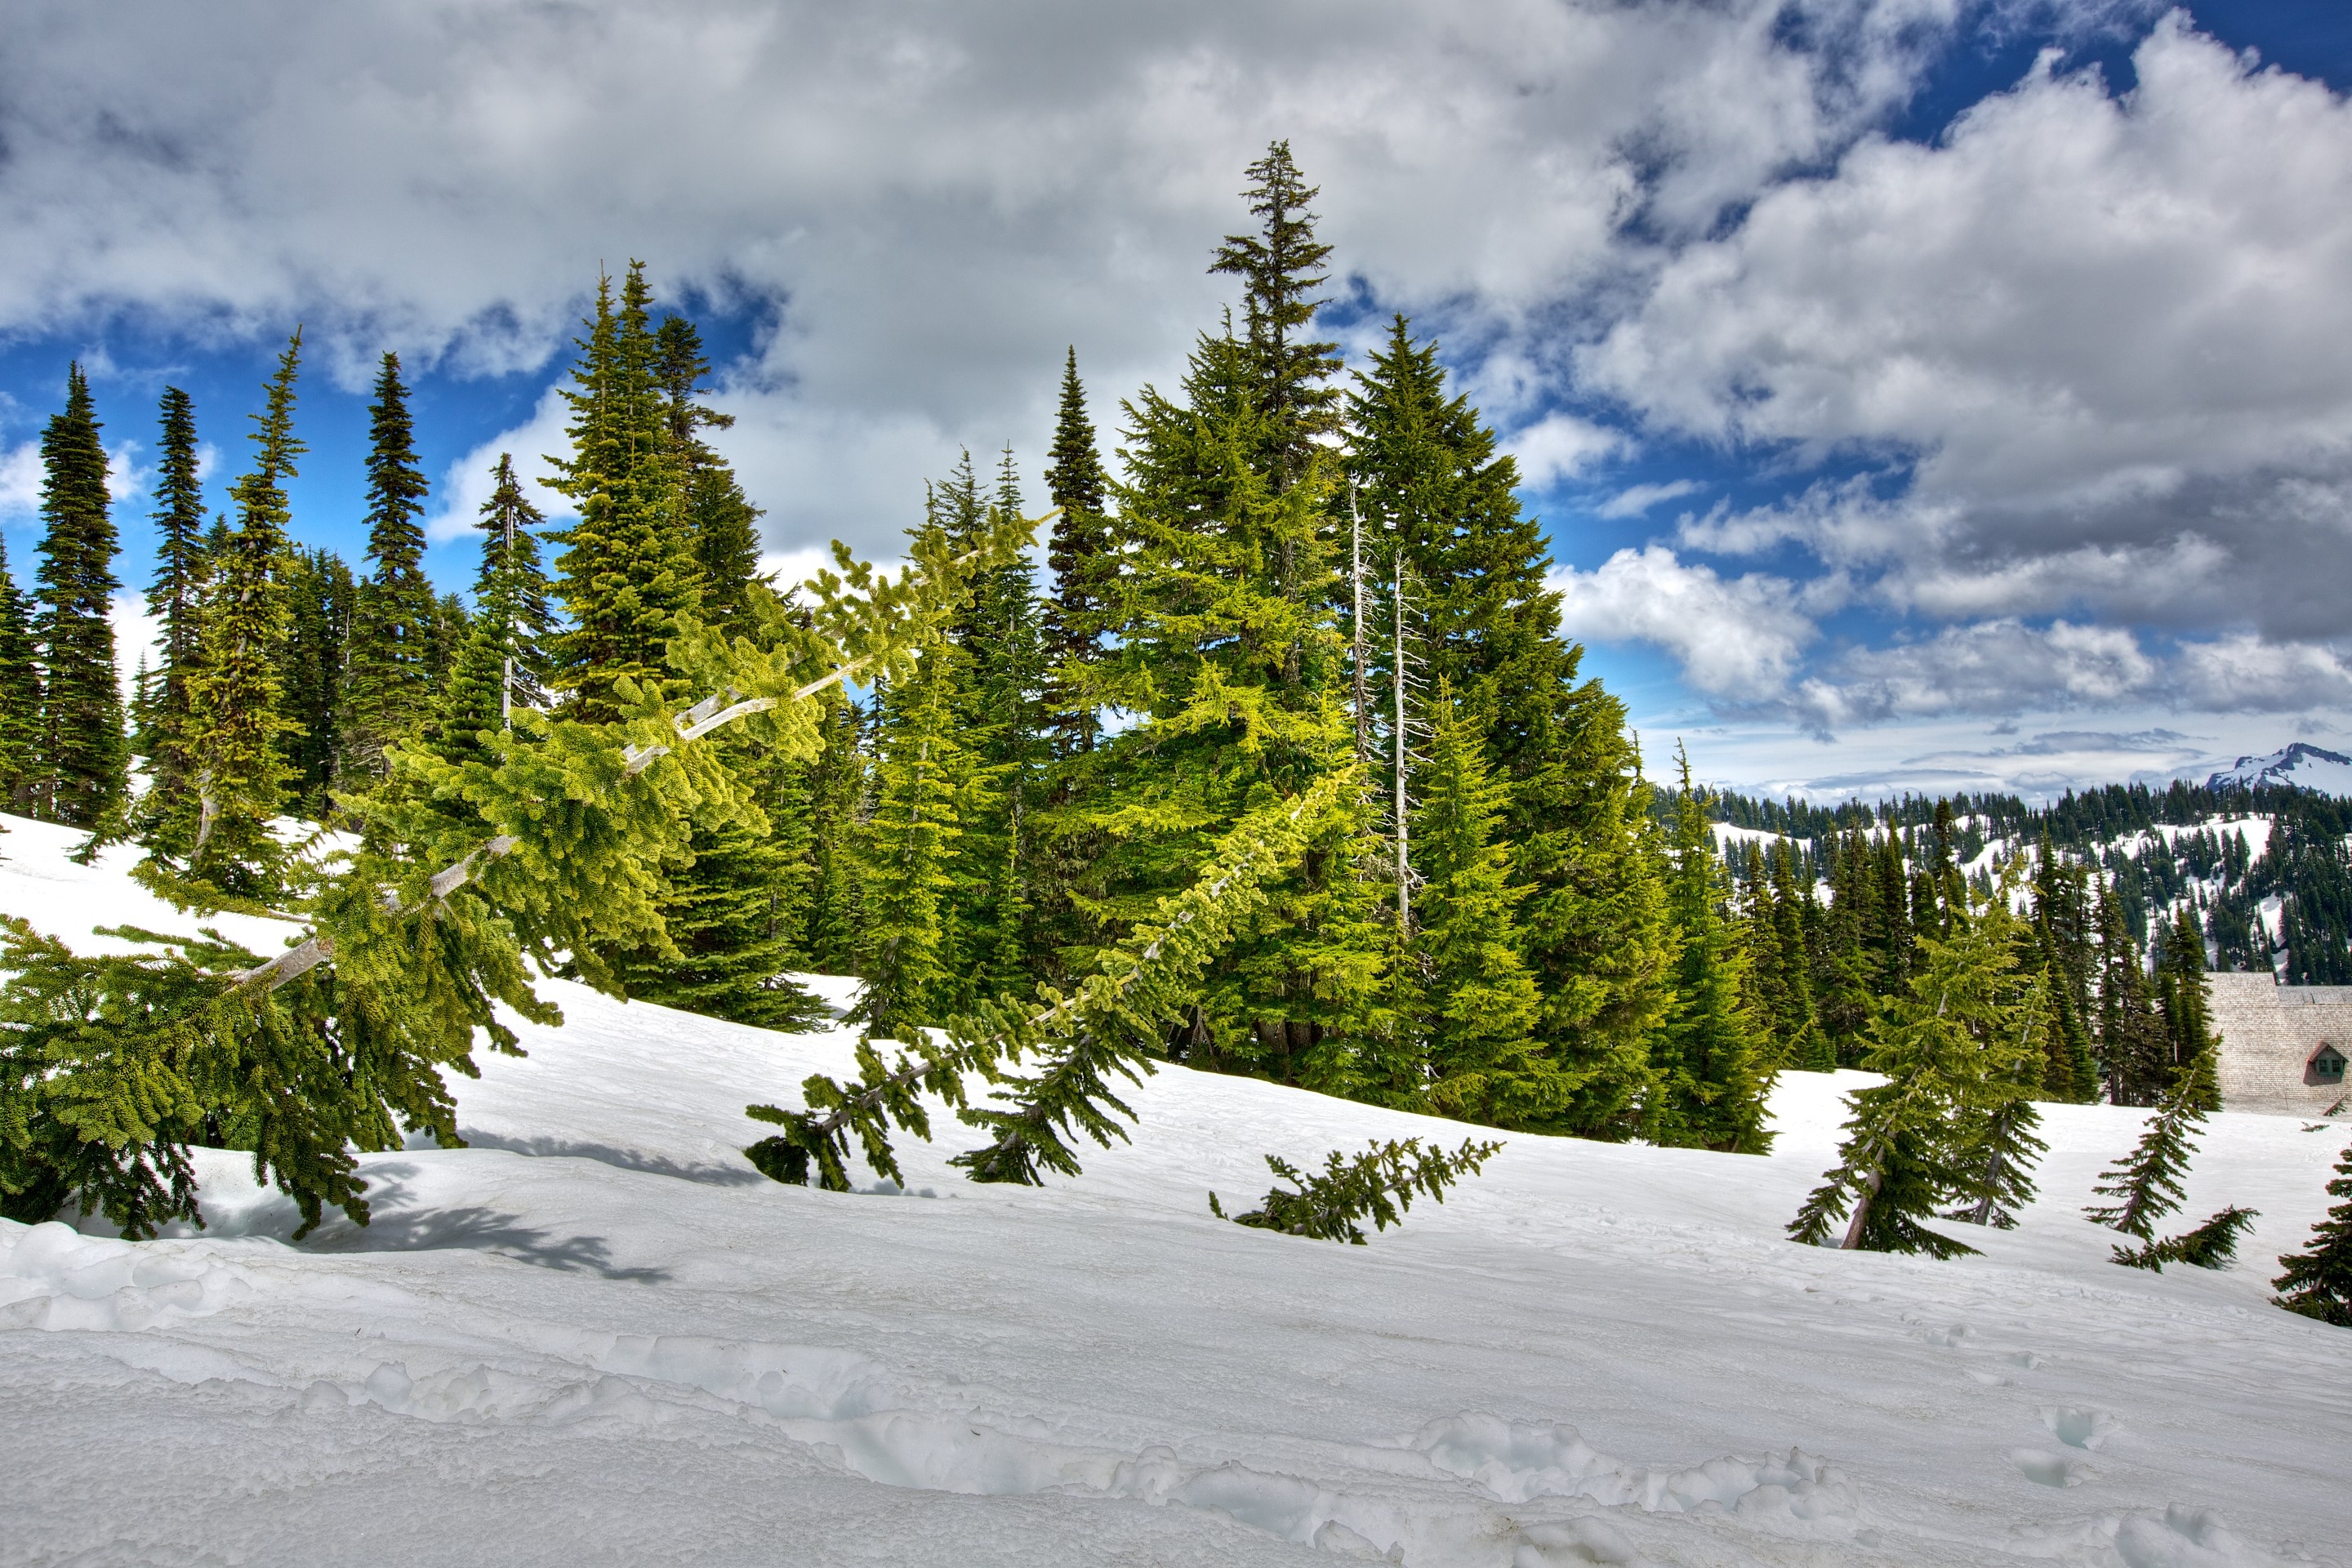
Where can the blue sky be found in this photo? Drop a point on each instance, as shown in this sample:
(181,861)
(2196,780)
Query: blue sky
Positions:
(1920,394)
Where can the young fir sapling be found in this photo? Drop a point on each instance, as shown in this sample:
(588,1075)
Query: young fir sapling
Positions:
(1378,1185)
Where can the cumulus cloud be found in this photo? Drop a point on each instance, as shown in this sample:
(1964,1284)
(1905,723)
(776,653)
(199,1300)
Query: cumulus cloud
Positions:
(1635,500)
(1737,638)
(2087,340)
(928,200)
(1561,446)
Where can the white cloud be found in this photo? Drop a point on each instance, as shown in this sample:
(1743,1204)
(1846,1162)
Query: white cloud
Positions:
(465,484)
(20,480)
(1636,499)
(137,635)
(1739,639)
(1561,446)
(2097,331)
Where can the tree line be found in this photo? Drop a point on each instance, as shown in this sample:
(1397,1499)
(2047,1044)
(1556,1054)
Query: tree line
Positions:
(1290,584)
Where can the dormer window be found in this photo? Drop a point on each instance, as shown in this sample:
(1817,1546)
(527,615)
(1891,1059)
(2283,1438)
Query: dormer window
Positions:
(2327,1065)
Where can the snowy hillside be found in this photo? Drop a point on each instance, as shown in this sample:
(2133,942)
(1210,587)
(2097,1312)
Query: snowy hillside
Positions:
(2304,766)
(596,1336)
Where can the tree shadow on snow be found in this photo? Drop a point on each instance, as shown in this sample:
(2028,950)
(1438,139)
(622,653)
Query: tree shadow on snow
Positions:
(620,1159)
(478,1229)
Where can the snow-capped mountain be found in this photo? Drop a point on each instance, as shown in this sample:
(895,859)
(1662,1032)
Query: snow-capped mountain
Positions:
(2304,766)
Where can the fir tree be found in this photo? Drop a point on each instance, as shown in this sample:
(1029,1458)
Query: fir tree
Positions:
(1466,988)
(719,520)
(2211,1245)
(2144,1186)
(1377,1186)
(905,861)
(837,788)
(1900,1159)
(389,657)
(83,769)
(627,571)
(1710,1087)
(1081,561)
(173,597)
(2132,1042)
(1998,1128)
(2317,1281)
(1281,268)
(20,697)
(314,672)
(2183,1004)
(236,726)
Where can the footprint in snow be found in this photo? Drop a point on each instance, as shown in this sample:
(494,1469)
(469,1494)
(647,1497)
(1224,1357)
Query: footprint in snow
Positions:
(2050,1469)
(2079,1428)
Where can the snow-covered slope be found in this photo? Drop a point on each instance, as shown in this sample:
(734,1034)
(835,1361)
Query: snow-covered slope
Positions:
(2306,766)
(595,1336)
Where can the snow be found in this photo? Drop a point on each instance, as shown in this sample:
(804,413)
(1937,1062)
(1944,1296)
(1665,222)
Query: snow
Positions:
(2298,763)
(596,1336)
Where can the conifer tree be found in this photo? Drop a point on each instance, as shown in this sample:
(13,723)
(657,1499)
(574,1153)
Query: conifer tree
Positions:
(2144,1186)
(389,657)
(1081,558)
(20,697)
(1900,1158)
(321,602)
(1428,476)
(837,788)
(905,861)
(504,662)
(627,569)
(1281,268)
(2132,1043)
(236,726)
(1467,986)
(2317,1281)
(2182,1002)
(84,764)
(1997,1128)
(173,597)
(1710,1086)
(719,520)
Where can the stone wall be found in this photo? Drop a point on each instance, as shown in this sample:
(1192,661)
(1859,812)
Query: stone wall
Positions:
(2269,1032)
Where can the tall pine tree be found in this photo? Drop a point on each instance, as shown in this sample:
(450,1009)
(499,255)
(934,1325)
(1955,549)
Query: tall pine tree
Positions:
(1081,558)
(85,754)
(173,597)
(20,696)
(390,685)
(1710,1085)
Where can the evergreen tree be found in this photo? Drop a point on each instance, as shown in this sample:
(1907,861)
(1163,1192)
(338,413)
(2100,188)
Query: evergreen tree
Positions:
(502,661)
(2144,1186)
(389,685)
(1281,268)
(20,697)
(719,520)
(1900,1158)
(85,754)
(1081,561)
(2132,1042)
(1997,1127)
(2183,1003)
(1711,1086)
(236,726)
(1429,482)
(837,787)
(2317,1281)
(2210,1245)
(907,854)
(1466,989)
(173,599)
(321,601)
(627,570)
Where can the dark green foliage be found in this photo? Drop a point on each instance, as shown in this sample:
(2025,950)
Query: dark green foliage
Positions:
(20,697)
(1080,559)
(921,783)
(1464,989)
(2211,1245)
(470,874)
(175,598)
(1378,1185)
(837,784)
(627,569)
(503,662)
(2318,1281)
(82,772)
(1110,1025)
(1281,268)
(314,670)
(2144,1186)
(2182,1002)
(237,728)
(389,687)
(1904,1154)
(1710,1087)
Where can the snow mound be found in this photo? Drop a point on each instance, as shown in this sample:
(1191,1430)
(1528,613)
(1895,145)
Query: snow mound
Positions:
(596,1336)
